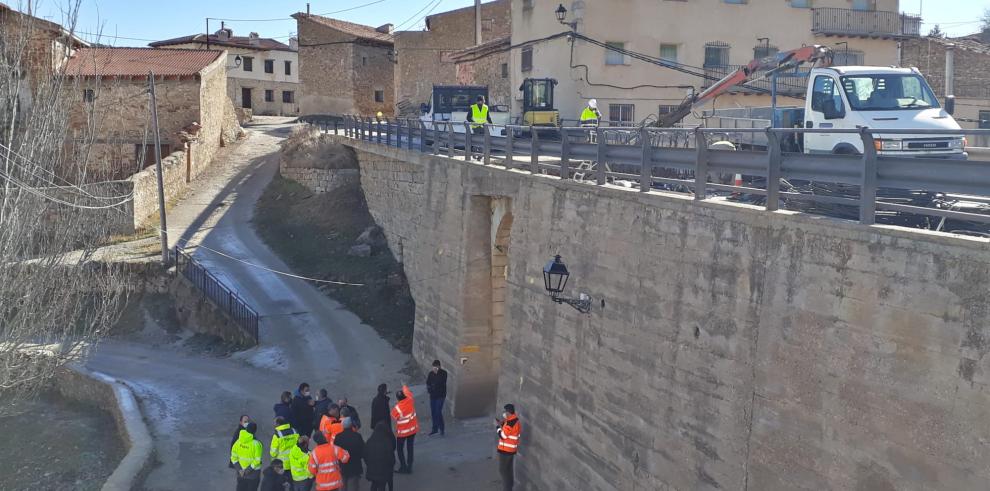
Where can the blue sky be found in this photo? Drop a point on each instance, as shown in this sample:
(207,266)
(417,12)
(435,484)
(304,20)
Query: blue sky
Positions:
(154,20)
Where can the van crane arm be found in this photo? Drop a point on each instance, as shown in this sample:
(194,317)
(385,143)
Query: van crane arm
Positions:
(766,66)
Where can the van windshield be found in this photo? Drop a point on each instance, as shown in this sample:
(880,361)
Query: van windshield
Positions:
(888,92)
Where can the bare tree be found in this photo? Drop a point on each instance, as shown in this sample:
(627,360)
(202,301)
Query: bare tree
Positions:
(55,298)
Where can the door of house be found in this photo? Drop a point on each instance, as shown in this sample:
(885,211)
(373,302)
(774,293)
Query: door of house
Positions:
(246,98)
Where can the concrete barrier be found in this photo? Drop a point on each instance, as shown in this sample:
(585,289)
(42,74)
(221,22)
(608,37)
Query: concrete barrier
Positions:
(80,384)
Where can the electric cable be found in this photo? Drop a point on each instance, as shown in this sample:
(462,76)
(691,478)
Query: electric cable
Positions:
(270,270)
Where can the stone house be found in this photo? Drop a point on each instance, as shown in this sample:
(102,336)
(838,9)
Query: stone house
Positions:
(262,73)
(425,57)
(344,68)
(112,85)
(972,74)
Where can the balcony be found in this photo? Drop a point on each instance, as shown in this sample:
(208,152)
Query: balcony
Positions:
(793,85)
(864,23)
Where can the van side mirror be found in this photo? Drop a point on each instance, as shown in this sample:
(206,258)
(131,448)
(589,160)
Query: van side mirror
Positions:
(833,110)
(950,104)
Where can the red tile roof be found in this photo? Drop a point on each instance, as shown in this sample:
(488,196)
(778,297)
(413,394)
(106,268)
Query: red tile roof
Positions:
(359,31)
(136,62)
(264,44)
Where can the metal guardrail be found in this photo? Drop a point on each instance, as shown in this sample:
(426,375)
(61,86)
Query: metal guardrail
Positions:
(871,23)
(652,158)
(221,295)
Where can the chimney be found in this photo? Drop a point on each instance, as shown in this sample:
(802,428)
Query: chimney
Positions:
(225,33)
(294,43)
(386,29)
(253,39)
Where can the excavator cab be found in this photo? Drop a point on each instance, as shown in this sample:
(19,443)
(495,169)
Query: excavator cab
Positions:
(538,108)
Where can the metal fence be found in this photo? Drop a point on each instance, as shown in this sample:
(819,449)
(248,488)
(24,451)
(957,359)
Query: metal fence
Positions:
(221,295)
(685,160)
(872,23)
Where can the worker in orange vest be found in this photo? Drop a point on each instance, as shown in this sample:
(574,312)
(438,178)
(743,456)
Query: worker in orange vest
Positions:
(509,429)
(331,425)
(324,463)
(406,426)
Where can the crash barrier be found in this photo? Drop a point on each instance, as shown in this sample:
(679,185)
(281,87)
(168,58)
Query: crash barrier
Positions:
(245,317)
(933,193)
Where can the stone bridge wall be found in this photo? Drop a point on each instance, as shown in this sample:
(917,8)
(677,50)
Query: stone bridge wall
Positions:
(737,349)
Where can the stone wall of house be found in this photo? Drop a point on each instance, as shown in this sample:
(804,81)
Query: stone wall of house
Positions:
(322,180)
(219,120)
(145,185)
(491,70)
(326,75)
(418,69)
(727,348)
(373,71)
(259,105)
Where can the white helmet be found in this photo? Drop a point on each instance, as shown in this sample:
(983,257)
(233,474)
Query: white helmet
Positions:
(593,103)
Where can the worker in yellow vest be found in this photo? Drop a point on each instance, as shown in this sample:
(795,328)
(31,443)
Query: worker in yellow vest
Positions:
(283,440)
(590,116)
(245,454)
(479,115)
(302,479)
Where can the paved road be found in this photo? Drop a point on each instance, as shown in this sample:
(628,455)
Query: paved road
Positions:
(192,402)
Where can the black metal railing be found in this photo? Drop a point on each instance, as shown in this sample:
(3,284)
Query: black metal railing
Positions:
(245,317)
(871,23)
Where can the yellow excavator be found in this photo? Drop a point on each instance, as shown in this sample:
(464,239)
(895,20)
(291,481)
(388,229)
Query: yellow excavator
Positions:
(538,109)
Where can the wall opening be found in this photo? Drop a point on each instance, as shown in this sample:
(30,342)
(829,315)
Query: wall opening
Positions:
(489,222)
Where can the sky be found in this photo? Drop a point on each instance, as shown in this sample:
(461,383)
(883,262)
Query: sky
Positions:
(146,20)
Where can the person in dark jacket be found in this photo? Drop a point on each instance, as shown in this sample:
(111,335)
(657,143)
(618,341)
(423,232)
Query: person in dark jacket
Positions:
(351,440)
(245,419)
(379,407)
(302,410)
(320,407)
(436,385)
(347,410)
(284,407)
(379,456)
(274,478)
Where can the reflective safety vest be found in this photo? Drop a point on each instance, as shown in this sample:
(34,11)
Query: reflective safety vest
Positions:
(331,427)
(404,414)
(299,464)
(246,451)
(508,435)
(479,115)
(589,115)
(324,463)
(282,441)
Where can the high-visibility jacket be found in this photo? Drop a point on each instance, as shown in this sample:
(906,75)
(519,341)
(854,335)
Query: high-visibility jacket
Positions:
(479,115)
(324,463)
(404,414)
(282,442)
(508,435)
(331,427)
(246,451)
(589,116)
(298,464)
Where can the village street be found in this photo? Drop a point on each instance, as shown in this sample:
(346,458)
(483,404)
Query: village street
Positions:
(191,402)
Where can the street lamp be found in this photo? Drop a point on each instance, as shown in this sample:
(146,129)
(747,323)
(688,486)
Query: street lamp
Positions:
(561,14)
(555,276)
(237,61)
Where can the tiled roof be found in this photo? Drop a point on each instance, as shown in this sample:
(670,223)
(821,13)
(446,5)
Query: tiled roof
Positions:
(137,62)
(359,31)
(264,44)
(45,24)
(965,43)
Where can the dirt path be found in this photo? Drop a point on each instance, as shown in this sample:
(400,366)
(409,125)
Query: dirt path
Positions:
(192,402)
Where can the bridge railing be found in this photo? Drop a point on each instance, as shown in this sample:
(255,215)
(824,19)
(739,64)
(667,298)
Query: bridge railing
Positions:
(862,187)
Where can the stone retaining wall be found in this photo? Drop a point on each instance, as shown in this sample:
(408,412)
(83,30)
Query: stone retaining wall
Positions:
(735,348)
(322,180)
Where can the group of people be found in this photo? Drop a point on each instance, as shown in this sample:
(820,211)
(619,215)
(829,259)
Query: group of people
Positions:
(317,445)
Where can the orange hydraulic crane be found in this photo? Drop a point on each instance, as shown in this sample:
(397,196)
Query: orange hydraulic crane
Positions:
(766,66)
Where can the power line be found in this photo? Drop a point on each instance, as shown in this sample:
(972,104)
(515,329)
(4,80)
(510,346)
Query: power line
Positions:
(45,180)
(270,270)
(363,5)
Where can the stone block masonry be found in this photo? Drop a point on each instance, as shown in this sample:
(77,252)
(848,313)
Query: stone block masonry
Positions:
(322,180)
(737,349)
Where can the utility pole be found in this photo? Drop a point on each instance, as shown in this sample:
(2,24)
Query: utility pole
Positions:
(158,169)
(207,35)
(477,22)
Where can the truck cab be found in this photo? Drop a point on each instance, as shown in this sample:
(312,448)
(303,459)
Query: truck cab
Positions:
(853,97)
(452,103)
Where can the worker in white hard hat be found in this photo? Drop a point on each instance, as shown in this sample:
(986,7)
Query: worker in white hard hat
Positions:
(591,116)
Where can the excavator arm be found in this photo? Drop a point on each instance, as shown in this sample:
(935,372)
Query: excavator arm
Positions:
(763,67)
